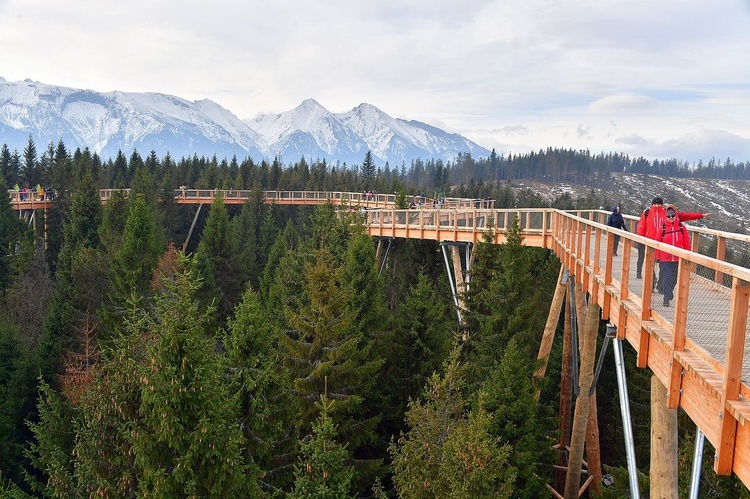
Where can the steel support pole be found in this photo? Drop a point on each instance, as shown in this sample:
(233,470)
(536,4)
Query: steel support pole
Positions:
(627,424)
(695,477)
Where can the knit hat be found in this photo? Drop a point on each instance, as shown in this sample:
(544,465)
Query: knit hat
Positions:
(657,200)
(671,212)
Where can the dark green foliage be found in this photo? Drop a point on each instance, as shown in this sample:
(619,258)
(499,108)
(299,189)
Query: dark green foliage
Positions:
(17,391)
(323,470)
(114,218)
(51,453)
(326,345)
(360,278)
(509,399)
(261,387)
(218,262)
(509,297)
(421,339)
(245,227)
(187,442)
(449,451)
(136,257)
(11,231)
(368,170)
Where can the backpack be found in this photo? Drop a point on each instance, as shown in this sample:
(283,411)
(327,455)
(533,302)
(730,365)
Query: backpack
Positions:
(664,228)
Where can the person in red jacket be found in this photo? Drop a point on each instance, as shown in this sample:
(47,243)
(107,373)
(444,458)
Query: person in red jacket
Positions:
(675,233)
(650,225)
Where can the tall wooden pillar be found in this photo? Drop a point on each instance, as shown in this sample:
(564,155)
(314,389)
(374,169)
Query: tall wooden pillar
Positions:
(664,446)
(580,417)
(566,395)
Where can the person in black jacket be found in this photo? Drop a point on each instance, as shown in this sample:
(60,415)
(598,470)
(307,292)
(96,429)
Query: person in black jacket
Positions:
(615,220)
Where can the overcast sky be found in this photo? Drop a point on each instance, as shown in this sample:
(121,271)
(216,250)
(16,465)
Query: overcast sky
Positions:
(652,78)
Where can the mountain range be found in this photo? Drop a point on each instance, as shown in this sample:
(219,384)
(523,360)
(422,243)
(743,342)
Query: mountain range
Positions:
(121,121)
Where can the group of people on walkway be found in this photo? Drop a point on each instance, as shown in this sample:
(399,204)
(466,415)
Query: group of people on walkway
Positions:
(662,224)
(37,193)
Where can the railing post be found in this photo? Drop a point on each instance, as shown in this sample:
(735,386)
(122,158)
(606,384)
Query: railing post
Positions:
(648,284)
(721,250)
(679,333)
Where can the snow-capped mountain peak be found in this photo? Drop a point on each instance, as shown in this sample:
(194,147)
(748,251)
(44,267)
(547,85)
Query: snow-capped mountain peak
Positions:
(121,121)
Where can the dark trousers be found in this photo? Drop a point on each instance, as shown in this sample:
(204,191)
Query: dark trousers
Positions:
(617,242)
(641,257)
(668,278)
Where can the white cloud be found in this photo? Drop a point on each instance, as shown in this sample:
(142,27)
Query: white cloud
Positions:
(567,74)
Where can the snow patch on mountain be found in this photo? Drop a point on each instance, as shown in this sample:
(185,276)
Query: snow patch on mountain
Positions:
(121,121)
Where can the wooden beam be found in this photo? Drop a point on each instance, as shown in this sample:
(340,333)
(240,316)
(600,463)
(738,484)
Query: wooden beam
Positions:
(721,254)
(566,392)
(593,448)
(664,445)
(679,333)
(192,226)
(553,318)
(732,374)
(459,275)
(580,418)
(648,284)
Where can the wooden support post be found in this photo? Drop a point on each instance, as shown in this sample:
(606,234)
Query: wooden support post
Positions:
(459,275)
(553,318)
(608,265)
(586,257)
(721,254)
(566,392)
(192,226)
(732,374)
(664,445)
(648,284)
(593,449)
(680,332)
(580,417)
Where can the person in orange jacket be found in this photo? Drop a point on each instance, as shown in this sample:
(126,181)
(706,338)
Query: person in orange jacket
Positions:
(673,232)
(650,225)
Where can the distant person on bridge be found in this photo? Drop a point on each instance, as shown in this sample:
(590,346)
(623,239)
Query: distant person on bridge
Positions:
(650,225)
(673,232)
(615,220)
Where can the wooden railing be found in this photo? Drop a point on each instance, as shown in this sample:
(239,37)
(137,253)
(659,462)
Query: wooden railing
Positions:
(370,200)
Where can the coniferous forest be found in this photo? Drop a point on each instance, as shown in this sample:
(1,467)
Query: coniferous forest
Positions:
(270,358)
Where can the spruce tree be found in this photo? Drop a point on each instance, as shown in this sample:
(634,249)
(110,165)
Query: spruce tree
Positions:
(323,470)
(368,170)
(261,386)
(135,259)
(188,442)
(10,231)
(217,260)
(448,451)
(511,403)
(51,452)
(324,345)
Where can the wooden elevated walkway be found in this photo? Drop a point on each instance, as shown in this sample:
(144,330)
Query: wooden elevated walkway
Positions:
(697,345)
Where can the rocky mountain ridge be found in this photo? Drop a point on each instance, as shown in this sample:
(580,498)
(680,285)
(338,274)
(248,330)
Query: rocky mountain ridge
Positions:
(120,121)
